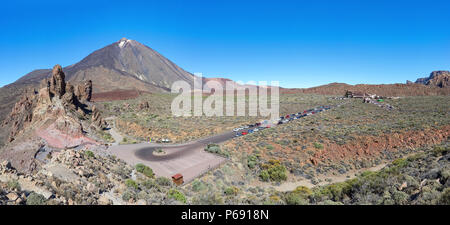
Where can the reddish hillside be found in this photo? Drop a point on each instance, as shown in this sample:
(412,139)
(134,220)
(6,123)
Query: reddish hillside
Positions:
(379,89)
(116,95)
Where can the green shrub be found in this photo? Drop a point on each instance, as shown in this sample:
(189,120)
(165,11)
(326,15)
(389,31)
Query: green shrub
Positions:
(303,191)
(198,186)
(318,145)
(231,190)
(131,184)
(149,183)
(445,197)
(252,161)
(215,149)
(35,199)
(273,171)
(147,171)
(269,147)
(108,137)
(14,185)
(127,195)
(335,192)
(295,199)
(163,181)
(400,162)
(177,195)
(440,150)
(264,175)
(89,154)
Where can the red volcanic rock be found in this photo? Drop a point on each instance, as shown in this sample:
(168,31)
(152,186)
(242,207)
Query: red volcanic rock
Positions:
(58,82)
(84,91)
(440,79)
(54,112)
(97,120)
(20,116)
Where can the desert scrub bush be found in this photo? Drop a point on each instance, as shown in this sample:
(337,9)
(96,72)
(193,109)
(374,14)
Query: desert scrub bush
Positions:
(149,184)
(35,199)
(335,192)
(89,154)
(318,145)
(127,195)
(252,160)
(440,150)
(177,195)
(163,181)
(299,196)
(198,186)
(13,185)
(400,162)
(295,199)
(231,190)
(273,200)
(131,184)
(147,171)
(273,171)
(107,137)
(215,149)
(445,197)
(269,147)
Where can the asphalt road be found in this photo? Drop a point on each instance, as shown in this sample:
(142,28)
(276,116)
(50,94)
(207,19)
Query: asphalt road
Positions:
(176,151)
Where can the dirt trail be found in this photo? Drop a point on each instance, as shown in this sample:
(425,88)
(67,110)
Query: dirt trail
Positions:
(113,131)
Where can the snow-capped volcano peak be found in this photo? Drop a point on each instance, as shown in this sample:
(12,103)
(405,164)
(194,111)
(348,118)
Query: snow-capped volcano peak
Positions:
(123,42)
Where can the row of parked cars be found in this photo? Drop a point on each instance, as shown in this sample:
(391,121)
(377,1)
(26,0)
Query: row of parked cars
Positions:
(251,128)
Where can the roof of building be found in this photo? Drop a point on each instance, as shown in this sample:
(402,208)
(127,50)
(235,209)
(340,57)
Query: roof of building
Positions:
(177,176)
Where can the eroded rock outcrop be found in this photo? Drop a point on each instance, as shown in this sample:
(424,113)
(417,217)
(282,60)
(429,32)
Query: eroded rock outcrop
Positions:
(53,116)
(21,115)
(58,82)
(97,120)
(437,78)
(84,92)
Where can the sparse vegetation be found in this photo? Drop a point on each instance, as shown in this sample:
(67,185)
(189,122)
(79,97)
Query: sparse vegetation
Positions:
(214,148)
(177,195)
(273,171)
(35,199)
(147,171)
(89,154)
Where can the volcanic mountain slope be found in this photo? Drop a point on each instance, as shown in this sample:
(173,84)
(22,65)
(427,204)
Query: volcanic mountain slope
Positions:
(411,89)
(126,64)
(437,78)
(55,116)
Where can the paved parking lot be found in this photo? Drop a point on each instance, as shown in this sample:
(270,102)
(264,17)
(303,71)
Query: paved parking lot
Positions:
(188,159)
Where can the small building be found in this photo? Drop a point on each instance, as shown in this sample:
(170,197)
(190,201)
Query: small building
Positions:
(178,179)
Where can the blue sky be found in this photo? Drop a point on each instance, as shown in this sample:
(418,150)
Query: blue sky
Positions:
(299,43)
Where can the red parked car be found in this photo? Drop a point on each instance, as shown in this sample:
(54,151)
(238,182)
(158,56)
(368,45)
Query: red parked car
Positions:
(244,133)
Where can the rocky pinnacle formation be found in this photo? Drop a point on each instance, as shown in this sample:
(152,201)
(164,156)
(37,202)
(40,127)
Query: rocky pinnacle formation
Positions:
(84,92)
(58,82)
(46,104)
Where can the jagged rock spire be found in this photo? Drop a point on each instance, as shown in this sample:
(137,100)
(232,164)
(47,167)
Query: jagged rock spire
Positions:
(58,82)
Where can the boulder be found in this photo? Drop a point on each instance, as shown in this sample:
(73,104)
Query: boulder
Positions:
(12,196)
